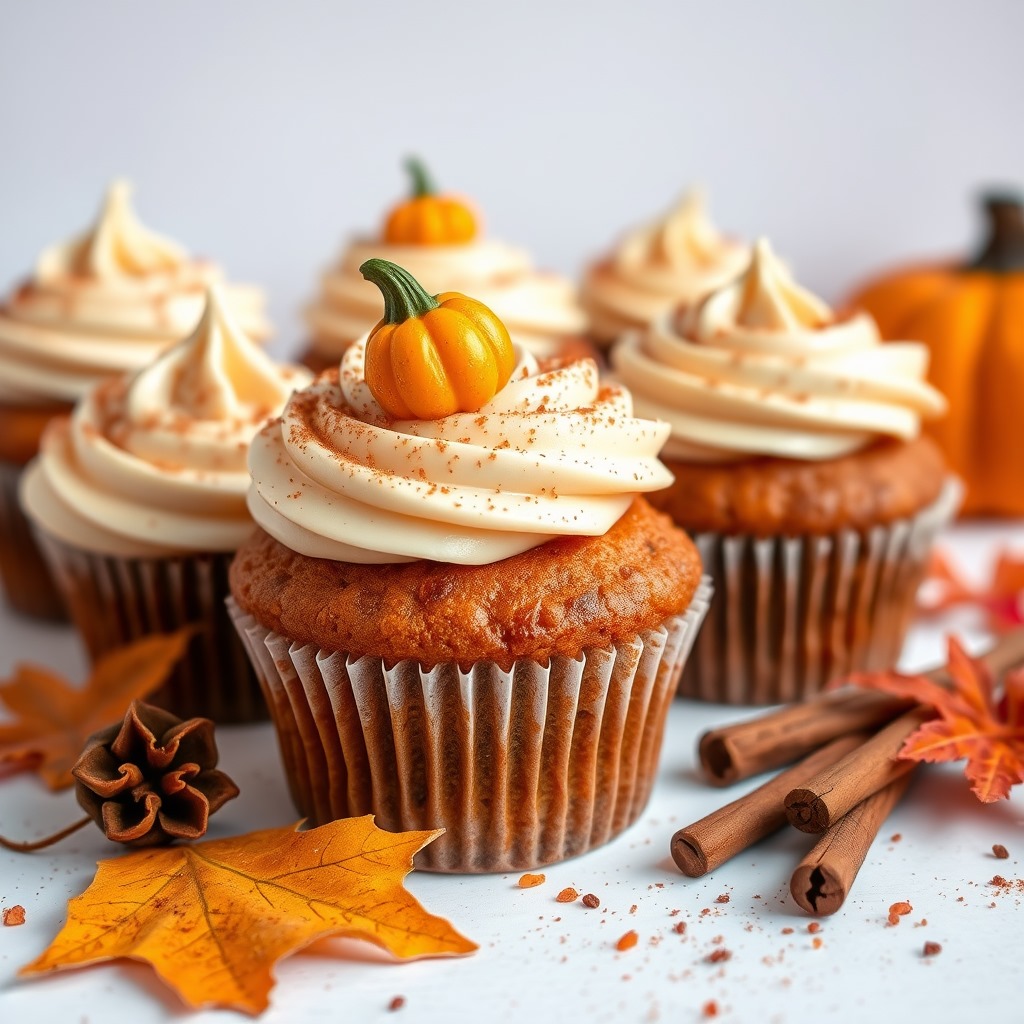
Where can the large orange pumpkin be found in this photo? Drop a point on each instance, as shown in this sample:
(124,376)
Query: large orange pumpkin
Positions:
(971,316)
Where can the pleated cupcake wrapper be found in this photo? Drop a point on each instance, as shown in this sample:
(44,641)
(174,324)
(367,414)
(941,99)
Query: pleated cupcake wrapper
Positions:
(26,578)
(522,767)
(114,601)
(791,614)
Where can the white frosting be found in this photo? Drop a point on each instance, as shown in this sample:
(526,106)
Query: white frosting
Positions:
(540,310)
(677,258)
(156,463)
(554,453)
(107,302)
(762,367)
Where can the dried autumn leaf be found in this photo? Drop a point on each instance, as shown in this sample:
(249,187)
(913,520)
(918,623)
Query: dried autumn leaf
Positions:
(52,719)
(1001,597)
(213,918)
(972,724)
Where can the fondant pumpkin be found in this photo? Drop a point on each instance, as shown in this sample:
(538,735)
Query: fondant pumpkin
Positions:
(971,316)
(431,356)
(426,218)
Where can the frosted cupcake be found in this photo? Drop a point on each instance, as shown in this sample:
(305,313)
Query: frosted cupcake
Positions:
(438,239)
(107,302)
(461,609)
(138,501)
(800,470)
(675,259)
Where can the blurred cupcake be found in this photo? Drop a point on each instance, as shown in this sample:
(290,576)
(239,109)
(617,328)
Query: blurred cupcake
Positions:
(437,238)
(138,502)
(801,473)
(673,260)
(104,303)
(463,613)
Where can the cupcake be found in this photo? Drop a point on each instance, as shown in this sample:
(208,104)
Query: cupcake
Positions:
(438,239)
(138,502)
(800,471)
(673,260)
(104,303)
(461,609)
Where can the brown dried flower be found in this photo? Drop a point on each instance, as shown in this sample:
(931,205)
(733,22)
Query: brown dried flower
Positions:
(152,778)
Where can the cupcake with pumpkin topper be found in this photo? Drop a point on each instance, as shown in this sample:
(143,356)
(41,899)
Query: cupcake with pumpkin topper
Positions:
(438,239)
(800,470)
(463,612)
(107,302)
(138,500)
(969,314)
(675,259)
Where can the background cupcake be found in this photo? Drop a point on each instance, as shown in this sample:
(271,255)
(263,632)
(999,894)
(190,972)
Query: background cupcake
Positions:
(438,238)
(471,620)
(673,260)
(800,471)
(104,303)
(138,501)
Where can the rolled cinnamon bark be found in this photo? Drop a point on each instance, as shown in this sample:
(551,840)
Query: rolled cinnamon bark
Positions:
(823,879)
(830,793)
(704,845)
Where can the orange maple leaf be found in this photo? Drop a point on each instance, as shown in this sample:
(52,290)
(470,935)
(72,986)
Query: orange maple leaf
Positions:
(213,918)
(972,724)
(1001,597)
(54,719)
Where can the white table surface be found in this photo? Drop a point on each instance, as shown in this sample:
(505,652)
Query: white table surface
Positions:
(545,961)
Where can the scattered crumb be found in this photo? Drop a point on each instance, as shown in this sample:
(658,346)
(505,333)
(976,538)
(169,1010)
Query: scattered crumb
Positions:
(814,927)
(632,909)
(710,1008)
(679,927)
(14,916)
(895,837)
(397,1003)
(817,943)
(931,949)
(787,931)
(717,956)
(1000,851)
(628,941)
(590,900)
(567,895)
(898,910)
(528,881)
(724,898)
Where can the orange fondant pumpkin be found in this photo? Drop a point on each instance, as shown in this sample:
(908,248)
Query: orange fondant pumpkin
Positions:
(426,218)
(431,356)
(971,316)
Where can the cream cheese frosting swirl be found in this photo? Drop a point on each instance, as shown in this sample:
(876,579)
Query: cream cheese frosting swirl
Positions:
(539,309)
(107,302)
(677,258)
(554,453)
(763,367)
(155,464)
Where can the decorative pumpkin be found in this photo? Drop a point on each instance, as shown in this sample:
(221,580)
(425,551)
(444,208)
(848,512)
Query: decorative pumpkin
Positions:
(428,218)
(971,316)
(432,356)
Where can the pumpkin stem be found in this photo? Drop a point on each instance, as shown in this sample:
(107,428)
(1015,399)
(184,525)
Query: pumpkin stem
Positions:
(404,297)
(422,183)
(1004,247)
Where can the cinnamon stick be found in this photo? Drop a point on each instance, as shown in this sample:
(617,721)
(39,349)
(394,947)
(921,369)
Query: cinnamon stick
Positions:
(830,793)
(704,845)
(736,752)
(823,879)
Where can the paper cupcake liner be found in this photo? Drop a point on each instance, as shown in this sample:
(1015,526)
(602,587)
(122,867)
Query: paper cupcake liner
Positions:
(26,578)
(114,601)
(793,613)
(522,768)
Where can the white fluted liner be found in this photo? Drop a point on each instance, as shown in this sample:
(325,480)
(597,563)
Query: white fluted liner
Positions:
(522,768)
(793,613)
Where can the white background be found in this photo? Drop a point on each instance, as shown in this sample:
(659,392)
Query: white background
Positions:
(262,134)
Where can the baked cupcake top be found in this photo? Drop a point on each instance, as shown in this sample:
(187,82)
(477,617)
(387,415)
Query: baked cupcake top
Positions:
(438,240)
(761,367)
(552,452)
(155,464)
(675,259)
(106,302)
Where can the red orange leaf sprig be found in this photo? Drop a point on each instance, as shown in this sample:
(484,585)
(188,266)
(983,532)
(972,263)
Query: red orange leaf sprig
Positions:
(1001,597)
(973,724)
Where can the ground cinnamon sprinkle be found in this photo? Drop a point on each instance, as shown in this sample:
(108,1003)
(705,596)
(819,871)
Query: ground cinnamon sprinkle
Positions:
(717,956)
(14,916)
(932,949)
(628,941)
(529,881)
(397,1003)
(1000,851)
(567,895)
(591,901)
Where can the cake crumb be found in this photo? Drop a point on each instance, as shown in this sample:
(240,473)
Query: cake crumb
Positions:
(724,898)
(1001,852)
(397,1003)
(528,881)
(710,1008)
(717,956)
(898,910)
(814,927)
(14,916)
(679,927)
(567,895)
(931,949)
(591,901)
